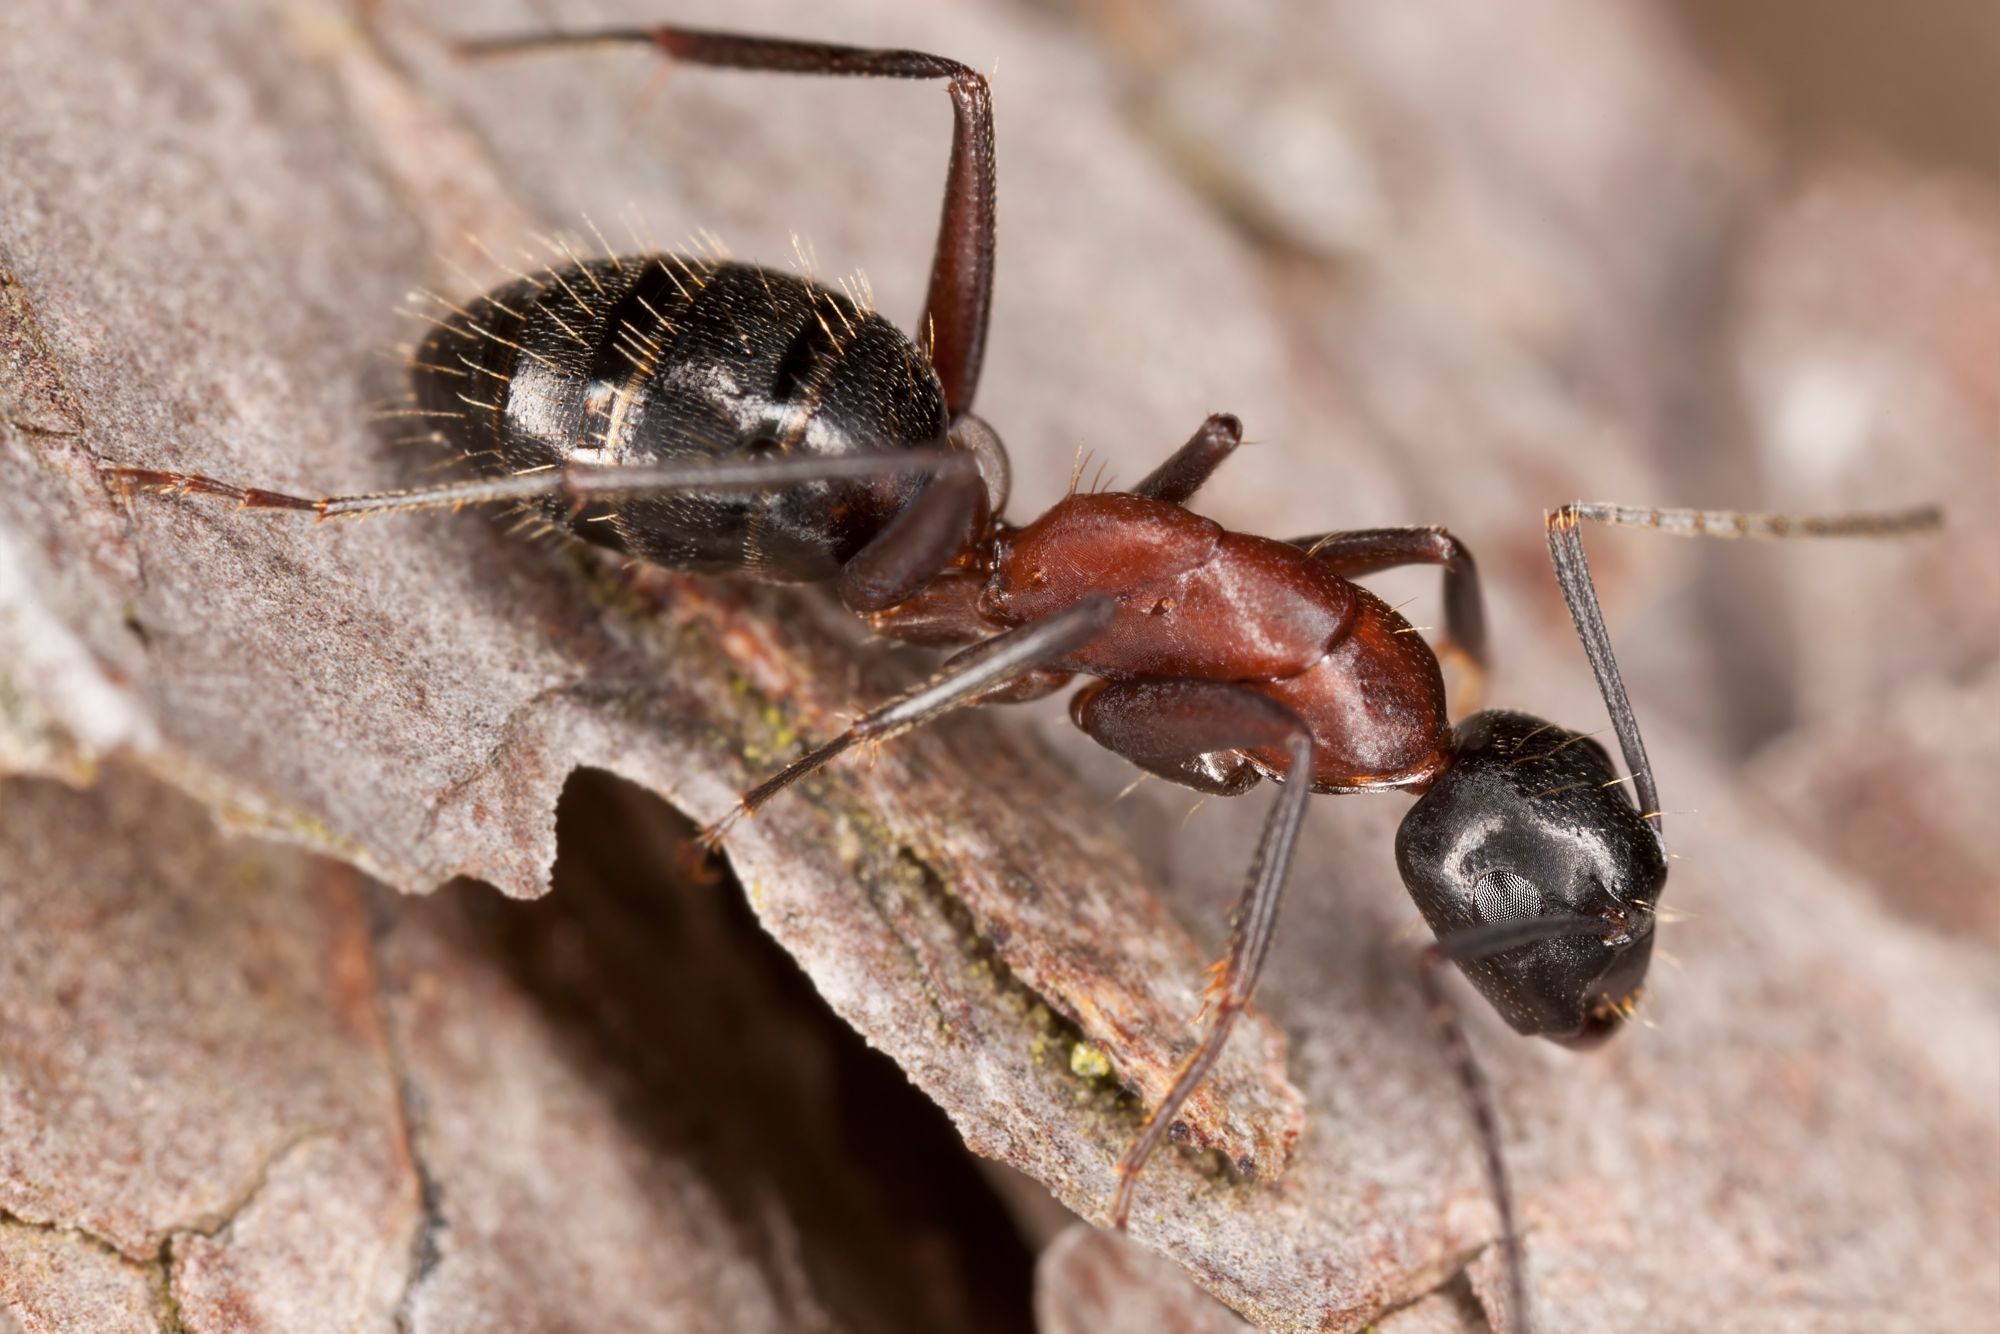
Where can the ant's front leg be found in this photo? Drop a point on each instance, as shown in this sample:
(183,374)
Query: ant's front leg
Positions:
(916,545)
(1161,726)
(1188,468)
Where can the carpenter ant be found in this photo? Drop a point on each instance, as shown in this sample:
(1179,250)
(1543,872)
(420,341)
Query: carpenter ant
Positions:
(729,419)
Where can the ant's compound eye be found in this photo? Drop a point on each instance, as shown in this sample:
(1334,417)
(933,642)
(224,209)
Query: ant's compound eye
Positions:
(1501,896)
(1530,823)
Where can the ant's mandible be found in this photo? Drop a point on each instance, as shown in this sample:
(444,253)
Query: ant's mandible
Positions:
(725,418)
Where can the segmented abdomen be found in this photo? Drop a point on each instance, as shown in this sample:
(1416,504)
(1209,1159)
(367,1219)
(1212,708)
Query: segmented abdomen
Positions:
(660,358)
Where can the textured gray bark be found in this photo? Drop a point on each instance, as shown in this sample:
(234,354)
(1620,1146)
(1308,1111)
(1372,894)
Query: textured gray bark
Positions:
(1449,267)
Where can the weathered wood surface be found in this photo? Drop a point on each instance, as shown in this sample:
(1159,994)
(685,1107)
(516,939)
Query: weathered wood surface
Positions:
(1448,268)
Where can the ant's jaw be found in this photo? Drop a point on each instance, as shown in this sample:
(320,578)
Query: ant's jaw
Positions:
(1531,824)
(1615,996)
(1598,1028)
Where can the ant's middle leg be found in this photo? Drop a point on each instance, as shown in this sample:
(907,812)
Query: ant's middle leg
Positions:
(1366,551)
(984,671)
(1163,726)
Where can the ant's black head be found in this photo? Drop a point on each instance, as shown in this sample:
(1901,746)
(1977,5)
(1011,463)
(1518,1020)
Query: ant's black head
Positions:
(1530,824)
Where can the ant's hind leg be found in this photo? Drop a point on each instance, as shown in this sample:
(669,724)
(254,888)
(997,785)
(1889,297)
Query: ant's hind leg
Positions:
(1188,468)
(575,482)
(907,554)
(1158,725)
(961,287)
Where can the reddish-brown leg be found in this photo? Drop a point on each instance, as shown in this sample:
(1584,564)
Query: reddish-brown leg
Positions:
(1111,714)
(961,288)
(1190,466)
(918,543)
(1366,551)
(1157,725)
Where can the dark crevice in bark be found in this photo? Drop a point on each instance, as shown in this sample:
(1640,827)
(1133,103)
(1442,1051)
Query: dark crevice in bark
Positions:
(218,1221)
(161,1271)
(8,1218)
(158,1269)
(1464,1298)
(726,1056)
(1455,1284)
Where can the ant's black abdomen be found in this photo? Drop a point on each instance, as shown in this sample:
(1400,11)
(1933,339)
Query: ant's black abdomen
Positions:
(657,359)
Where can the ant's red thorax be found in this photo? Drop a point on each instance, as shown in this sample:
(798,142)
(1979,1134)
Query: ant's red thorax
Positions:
(1193,600)
(1196,601)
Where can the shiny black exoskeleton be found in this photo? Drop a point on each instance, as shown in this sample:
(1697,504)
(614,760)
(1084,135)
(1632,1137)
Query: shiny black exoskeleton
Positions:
(1531,824)
(664,359)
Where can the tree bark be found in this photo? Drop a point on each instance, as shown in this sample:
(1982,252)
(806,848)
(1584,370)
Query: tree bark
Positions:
(1523,260)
